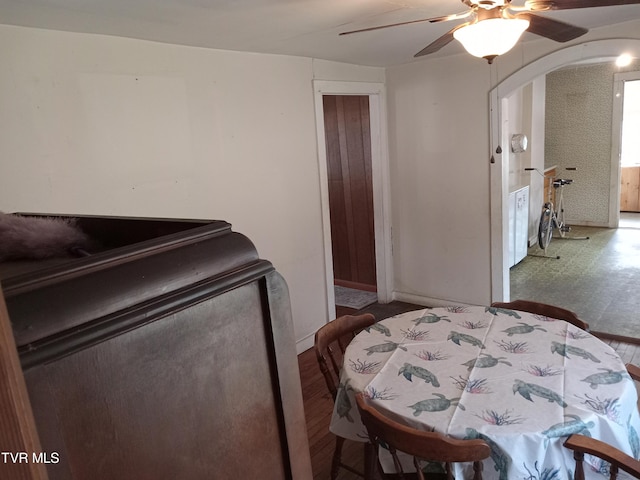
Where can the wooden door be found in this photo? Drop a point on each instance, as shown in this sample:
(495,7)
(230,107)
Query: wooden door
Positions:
(348,142)
(630,189)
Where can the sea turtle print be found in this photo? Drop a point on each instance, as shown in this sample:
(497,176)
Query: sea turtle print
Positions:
(343,402)
(522,328)
(408,371)
(528,389)
(435,404)
(564,429)
(431,318)
(485,361)
(388,346)
(504,311)
(565,350)
(634,441)
(606,377)
(500,459)
(378,327)
(457,337)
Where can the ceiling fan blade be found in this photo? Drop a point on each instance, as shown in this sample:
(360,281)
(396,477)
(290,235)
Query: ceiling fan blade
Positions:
(552,29)
(537,5)
(440,42)
(455,16)
(387,26)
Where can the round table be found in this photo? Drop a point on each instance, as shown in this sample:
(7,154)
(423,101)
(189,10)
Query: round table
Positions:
(521,382)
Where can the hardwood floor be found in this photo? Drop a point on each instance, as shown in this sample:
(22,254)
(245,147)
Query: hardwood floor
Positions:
(629,352)
(319,405)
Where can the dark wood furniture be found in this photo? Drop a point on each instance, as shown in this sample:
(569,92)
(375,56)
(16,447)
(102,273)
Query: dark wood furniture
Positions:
(550,311)
(168,353)
(330,343)
(634,371)
(17,427)
(422,445)
(581,444)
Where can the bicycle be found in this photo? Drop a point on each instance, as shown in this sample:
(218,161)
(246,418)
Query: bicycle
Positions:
(552,217)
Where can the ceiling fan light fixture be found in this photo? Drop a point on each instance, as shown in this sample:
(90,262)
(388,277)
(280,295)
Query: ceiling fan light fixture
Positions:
(491,37)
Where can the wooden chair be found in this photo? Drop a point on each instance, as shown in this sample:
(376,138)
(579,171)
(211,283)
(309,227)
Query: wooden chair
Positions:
(420,444)
(634,373)
(331,341)
(581,444)
(544,309)
(618,460)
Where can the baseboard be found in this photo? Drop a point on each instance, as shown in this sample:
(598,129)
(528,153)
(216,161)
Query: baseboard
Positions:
(305,343)
(426,301)
(355,285)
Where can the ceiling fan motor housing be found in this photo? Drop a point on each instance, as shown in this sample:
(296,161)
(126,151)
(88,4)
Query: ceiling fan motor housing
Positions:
(539,5)
(486,4)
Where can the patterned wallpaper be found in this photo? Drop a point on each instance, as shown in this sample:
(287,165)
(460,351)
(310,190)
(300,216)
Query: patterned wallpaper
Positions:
(579,105)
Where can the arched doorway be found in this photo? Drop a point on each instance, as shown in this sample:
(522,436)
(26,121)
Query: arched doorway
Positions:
(600,49)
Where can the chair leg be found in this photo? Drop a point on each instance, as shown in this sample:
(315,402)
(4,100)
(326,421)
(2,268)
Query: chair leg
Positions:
(370,462)
(337,458)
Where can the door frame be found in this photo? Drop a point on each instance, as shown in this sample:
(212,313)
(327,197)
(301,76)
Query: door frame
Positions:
(597,49)
(619,79)
(380,177)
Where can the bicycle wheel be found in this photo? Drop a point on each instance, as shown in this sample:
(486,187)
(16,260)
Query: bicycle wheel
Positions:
(545,229)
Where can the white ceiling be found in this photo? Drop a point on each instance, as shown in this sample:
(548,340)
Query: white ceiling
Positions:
(306,28)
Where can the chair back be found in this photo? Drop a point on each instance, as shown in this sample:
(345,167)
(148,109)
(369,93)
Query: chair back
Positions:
(331,341)
(550,311)
(422,445)
(634,373)
(617,459)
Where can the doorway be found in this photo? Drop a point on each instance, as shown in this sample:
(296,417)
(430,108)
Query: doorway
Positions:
(500,171)
(627,115)
(348,144)
(353,258)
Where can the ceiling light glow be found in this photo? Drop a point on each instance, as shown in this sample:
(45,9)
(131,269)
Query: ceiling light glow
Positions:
(491,37)
(624,60)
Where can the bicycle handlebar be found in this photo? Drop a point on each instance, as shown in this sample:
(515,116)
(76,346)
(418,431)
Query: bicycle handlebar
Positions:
(566,168)
(564,182)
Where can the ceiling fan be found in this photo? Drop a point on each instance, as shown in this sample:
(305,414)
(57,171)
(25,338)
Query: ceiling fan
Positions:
(494,26)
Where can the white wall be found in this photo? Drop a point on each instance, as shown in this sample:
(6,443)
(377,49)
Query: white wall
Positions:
(518,120)
(536,146)
(525,114)
(439,155)
(440,158)
(103,125)
(242,127)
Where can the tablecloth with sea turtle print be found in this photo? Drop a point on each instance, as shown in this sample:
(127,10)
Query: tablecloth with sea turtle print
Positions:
(519,381)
